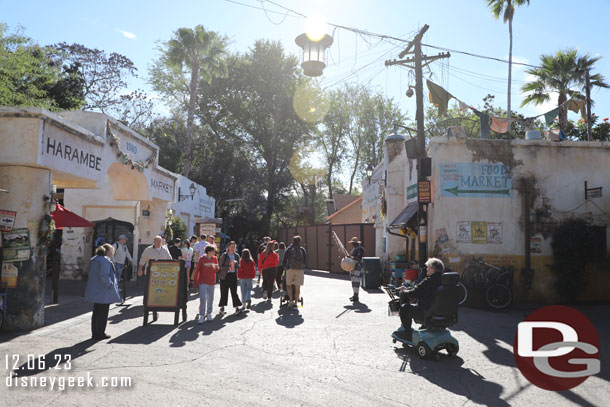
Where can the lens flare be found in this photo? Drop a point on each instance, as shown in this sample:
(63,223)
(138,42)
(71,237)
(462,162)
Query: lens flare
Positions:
(305,166)
(310,103)
(315,26)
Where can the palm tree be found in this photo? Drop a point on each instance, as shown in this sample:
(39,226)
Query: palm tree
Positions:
(508,8)
(201,52)
(563,73)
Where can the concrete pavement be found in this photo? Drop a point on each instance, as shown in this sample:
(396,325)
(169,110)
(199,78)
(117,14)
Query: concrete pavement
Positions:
(328,353)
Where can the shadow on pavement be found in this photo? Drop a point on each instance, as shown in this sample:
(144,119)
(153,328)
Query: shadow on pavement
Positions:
(187,332)
(357,307)
(374,290)
(127,312)
(262,306)
(143,335)
(326,274)
(448,374)
(54,359)
(289,318)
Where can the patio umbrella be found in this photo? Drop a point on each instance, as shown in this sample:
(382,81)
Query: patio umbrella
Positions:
(65,218)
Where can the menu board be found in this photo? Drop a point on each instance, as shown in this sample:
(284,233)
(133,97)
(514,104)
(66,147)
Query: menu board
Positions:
(163,284)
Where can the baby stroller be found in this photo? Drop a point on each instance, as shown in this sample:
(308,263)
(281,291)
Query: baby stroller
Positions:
(284,297)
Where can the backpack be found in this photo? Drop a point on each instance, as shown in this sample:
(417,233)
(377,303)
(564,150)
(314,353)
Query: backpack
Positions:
(297,258)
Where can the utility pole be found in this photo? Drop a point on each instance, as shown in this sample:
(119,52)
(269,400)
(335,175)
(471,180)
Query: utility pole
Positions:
(417,62)
(588,93)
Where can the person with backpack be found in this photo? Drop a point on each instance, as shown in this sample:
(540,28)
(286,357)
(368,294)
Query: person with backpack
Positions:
(122,257)
(295,261)
(356,254)
(229,263)
(267,263)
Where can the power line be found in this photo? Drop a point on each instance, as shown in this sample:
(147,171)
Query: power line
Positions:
(478,55)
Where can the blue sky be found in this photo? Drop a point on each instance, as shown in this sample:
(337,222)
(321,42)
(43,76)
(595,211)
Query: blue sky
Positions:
(133,29)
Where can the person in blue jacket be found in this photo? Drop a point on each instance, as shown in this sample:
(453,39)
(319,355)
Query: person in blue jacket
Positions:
(102,289)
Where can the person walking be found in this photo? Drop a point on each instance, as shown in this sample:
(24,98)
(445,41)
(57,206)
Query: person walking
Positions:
(205,280)
(357,253)
(280,250)
(246,274)
(199,247)
(121,258)
(295,261)
(154,252)
(229,263)
(260,249)
(187,256)
(102,289)
(267,263)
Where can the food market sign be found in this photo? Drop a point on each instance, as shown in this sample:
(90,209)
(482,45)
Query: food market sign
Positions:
(476,180)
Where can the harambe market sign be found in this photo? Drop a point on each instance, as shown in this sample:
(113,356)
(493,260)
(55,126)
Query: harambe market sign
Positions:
(161,186)
(476,180)
(66,152)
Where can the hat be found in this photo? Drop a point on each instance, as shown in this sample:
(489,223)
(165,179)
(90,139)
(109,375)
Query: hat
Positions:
(122,237)
(354,240)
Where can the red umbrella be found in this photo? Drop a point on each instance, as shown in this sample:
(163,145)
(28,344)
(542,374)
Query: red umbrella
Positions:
(65,218)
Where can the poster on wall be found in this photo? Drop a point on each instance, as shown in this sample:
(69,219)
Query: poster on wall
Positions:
(9,275)
(475,180)
(7,220)
(464,232)
(494,232)
(441,235)
(479,232)
(535,245)
(16,245)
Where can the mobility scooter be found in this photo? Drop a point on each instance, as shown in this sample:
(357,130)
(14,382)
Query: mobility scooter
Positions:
(433,336)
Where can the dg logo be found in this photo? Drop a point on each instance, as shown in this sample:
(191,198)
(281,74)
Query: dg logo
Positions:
(557,348)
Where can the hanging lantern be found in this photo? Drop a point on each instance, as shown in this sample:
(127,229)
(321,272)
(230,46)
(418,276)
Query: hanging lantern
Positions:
(313,53)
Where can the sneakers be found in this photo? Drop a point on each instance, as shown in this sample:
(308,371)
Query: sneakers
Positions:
(264,295)
(201,320)
(222,311)
(291,304)
(354,298)
(209,317)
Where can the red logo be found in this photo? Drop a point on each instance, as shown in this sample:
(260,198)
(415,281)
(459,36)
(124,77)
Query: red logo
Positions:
(556,348)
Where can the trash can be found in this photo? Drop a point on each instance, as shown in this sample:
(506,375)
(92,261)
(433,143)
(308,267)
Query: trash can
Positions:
(371,272)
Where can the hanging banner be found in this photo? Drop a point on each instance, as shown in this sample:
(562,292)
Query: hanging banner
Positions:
(16,245)
(7,220)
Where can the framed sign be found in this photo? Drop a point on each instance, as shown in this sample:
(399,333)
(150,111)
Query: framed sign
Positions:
(207,229)
(165,283)
(424,192)
(16,245)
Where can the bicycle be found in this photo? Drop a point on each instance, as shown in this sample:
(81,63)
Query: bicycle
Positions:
(495,280)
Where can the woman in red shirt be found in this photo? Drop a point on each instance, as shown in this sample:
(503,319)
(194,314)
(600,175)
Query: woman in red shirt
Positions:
(268,262)
(205,278)
(246,273)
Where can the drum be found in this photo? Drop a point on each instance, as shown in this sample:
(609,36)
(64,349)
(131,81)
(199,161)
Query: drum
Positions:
(348,264)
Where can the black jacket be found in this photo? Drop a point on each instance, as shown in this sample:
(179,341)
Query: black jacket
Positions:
(175,252)
(426,290)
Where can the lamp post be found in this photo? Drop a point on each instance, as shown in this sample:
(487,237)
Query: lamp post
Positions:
(313,53)
(369,175)
(192,188)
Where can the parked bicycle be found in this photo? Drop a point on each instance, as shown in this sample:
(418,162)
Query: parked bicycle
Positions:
(495,280)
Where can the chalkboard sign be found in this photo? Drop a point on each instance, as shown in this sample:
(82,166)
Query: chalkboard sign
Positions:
(164,289)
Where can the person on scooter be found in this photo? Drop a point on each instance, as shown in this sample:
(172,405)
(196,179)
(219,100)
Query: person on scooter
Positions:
(423,292)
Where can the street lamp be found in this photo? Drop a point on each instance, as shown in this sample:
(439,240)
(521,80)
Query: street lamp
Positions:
(313,53)
(192,188)
(369,175)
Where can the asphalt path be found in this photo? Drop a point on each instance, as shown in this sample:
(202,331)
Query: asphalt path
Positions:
(326,353)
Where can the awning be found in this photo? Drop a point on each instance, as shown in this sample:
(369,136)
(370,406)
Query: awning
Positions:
(67,219)
(405,216)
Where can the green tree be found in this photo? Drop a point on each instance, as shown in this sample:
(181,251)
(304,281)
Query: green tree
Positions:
(30,76)
(507,9)
(195,54)
(252,107)
(563,73)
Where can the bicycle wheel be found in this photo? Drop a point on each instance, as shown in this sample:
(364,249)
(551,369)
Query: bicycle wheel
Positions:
(472,276)
(498,296)
(463,293)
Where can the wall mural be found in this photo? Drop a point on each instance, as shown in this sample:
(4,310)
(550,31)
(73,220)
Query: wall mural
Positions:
(475,180)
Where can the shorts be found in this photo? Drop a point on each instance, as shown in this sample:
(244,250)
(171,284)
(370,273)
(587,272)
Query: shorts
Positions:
(295,277)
